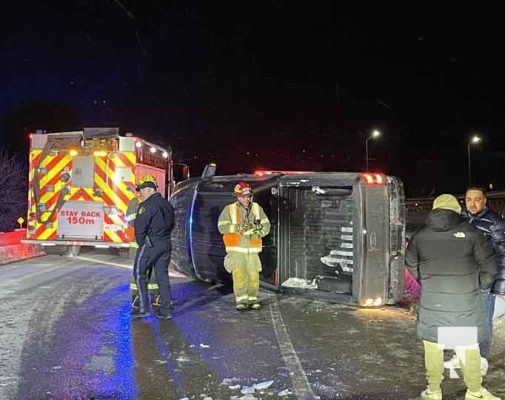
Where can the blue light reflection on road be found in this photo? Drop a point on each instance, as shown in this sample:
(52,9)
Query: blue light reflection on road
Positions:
(115,326)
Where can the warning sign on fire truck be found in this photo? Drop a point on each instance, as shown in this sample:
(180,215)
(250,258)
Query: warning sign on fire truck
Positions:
(83,219)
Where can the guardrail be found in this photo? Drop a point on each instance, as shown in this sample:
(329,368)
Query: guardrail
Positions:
(11,248)
(14,237)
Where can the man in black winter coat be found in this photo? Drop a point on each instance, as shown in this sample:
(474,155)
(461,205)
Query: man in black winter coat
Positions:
(453,262)
(153,225)
(479,215)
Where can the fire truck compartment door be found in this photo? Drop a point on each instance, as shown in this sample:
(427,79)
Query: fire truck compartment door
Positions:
(83,172)
(81,219)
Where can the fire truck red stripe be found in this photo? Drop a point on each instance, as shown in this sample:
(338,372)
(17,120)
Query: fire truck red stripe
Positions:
(81,194)
(125,160)
(117,191)
(36,158)
(51,202)
(55,160)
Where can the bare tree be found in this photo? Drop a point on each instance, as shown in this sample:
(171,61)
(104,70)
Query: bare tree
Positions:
(13,190)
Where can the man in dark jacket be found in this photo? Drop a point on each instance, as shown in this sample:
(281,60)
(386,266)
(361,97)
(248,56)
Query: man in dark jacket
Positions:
(479,215)
(453,262)
(153,226)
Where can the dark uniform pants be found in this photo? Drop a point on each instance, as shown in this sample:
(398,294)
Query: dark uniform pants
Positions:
(157,256)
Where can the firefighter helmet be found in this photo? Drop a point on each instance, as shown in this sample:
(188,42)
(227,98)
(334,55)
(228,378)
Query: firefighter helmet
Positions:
(147,181)
(242,189)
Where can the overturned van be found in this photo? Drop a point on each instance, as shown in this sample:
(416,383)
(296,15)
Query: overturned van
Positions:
(336,236)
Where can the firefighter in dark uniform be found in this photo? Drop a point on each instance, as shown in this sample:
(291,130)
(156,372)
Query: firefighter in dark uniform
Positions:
(153,226)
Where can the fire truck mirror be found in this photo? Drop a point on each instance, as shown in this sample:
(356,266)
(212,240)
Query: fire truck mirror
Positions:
(181,172)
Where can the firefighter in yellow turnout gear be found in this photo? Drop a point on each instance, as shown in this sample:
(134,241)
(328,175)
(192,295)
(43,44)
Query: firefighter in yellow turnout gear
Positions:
(243,223)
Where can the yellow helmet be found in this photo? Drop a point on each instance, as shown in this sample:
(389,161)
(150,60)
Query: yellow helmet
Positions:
(147,181)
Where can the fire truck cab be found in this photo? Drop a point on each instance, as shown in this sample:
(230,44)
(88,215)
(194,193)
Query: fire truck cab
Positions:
(336,236)
(81,183)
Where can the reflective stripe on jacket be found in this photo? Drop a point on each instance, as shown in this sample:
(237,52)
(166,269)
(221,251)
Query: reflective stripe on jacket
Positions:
(233,218)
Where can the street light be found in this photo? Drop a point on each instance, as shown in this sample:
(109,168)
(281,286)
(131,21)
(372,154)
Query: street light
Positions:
(474,140)
(375,134)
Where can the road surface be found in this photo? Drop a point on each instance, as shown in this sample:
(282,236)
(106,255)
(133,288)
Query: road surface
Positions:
(66,333)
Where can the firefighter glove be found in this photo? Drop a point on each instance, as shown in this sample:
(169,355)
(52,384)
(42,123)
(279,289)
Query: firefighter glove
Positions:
(258,227)
(244,227)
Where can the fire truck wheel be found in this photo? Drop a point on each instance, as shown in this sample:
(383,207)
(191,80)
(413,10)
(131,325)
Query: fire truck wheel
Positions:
(55,250)
(132,253)
(73,251)
(124,253)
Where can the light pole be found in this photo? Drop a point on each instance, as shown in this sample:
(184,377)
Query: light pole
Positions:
(375,134)
(474,140)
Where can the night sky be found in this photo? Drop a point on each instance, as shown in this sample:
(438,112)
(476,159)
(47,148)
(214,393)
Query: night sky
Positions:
(277,84)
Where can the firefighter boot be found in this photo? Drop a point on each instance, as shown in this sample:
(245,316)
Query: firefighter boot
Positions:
(434,363)
(163,315)
(143,300)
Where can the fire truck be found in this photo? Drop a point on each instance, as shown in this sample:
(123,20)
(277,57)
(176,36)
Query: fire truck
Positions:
(81,183)
(337,236)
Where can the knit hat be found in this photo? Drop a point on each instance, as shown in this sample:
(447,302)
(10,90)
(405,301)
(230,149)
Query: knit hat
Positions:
(447,202)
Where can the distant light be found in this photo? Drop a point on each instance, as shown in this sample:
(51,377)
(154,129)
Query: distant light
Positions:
(165,154)
(475,139)
(138,144)
(376,133)
(152,150)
